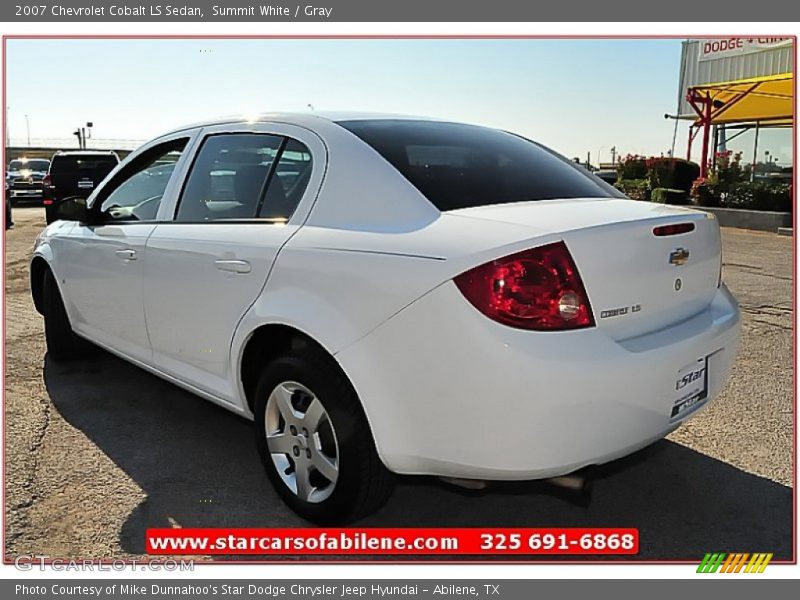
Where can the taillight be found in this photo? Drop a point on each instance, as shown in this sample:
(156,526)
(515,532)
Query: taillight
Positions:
(536,289)
(47,188)
(676,229)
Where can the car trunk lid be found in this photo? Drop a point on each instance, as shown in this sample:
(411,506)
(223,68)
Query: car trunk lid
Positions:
(637,281)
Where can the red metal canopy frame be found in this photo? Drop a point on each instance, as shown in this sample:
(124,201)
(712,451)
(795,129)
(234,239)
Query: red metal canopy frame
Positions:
(708,110)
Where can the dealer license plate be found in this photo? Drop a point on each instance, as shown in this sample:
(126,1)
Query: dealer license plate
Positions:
(691,389)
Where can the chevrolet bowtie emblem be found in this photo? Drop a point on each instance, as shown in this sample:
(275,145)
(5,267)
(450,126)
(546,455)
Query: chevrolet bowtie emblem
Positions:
(678,257)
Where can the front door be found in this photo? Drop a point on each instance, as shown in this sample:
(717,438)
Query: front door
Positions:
(101,264)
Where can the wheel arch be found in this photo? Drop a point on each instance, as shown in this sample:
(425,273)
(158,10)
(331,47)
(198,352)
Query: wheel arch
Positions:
(39,267)
(265,343)
(268,341)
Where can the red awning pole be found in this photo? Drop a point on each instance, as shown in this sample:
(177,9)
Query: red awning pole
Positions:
(706,122)
(702,105)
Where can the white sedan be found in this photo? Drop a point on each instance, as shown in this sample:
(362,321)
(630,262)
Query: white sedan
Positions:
(394,295)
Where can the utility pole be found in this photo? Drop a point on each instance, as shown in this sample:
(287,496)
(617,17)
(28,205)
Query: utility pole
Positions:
(613,155)
(28,129)
(83,134)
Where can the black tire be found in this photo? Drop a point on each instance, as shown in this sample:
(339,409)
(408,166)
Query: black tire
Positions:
(364,483)
(62,343)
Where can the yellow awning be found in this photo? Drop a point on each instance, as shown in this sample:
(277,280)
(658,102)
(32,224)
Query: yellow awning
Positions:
(765,99)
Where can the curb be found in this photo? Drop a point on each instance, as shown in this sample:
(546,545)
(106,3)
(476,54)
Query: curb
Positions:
(761,220)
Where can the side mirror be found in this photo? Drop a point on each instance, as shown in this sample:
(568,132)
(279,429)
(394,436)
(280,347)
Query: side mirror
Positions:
(72,209)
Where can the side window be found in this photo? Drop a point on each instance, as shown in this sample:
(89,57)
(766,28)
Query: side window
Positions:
(228,177)
(288,183)
(136,192)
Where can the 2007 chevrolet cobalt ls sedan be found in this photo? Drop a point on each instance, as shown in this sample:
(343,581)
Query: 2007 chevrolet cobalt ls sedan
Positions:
(394,295)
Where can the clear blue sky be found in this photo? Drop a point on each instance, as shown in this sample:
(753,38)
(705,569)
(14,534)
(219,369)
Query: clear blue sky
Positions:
(576,96)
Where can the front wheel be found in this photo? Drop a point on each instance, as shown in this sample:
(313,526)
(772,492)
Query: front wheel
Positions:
(315,442)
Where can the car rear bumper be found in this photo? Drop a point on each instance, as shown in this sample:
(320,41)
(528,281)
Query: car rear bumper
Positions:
(449,392)
(25,192)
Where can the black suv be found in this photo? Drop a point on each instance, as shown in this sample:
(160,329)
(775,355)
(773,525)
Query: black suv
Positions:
(24,178)
(74,174)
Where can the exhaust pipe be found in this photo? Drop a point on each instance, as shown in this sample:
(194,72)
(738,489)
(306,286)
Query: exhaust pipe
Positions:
(467,484)
(578,487)
(573,483)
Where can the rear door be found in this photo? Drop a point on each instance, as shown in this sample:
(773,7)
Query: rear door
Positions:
(207,266)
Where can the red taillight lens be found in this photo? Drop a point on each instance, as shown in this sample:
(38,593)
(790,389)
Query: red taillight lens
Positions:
(536,289)
(676,229)
(47,189)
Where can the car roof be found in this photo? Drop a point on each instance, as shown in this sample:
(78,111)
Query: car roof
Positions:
(304,119)
(85,153)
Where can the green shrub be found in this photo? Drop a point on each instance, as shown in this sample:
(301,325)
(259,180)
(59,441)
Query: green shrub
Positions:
(636,189)
(758,196)
(669,196)
(728,171)
(632,167)
(672,173)
(705,192)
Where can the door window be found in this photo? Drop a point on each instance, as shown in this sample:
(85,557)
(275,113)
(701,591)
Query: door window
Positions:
(289,182)
(229,177)
(135,193)
(245,176)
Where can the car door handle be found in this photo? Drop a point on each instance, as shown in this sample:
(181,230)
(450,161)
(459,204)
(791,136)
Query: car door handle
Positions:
(126,254)
(234,266)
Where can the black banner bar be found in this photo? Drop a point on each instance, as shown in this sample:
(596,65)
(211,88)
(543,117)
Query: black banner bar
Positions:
(406,11)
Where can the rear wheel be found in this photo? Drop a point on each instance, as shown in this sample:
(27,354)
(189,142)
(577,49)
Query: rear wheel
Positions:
(315,442)
(62,343)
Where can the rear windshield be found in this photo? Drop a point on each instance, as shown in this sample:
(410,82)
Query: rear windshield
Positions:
(459,166)
(94,167)
(33,165)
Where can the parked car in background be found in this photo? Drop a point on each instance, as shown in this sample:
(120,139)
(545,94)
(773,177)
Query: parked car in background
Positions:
(75,174)
(608,175)
(24,178)
(394,295)
(784,175)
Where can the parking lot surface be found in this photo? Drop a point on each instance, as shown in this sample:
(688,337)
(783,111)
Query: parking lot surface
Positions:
(98,451)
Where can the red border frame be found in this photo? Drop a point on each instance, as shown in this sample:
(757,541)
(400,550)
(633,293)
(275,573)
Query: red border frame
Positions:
(378,561)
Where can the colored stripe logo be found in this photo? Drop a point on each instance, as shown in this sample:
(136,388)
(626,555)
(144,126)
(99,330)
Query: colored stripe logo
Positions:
(734,563)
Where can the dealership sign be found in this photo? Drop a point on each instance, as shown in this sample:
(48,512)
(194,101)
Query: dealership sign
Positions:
(719,48)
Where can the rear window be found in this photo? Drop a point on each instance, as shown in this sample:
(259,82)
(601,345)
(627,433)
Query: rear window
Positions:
(460,166)
(83,165)
(33,165)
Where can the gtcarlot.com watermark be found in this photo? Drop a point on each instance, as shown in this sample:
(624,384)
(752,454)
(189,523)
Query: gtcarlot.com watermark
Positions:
(27,562)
